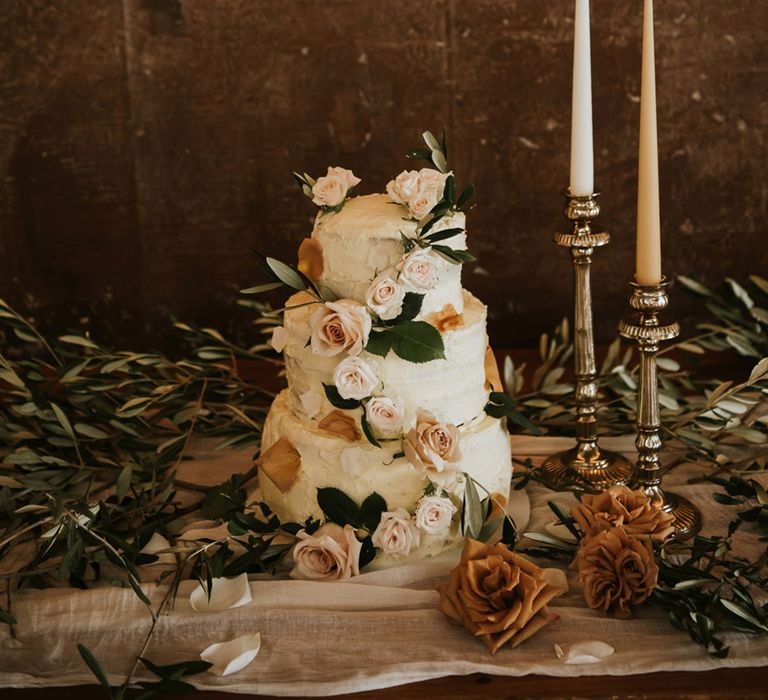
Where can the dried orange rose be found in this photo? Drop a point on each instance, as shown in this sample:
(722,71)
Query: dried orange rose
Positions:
(498,595)
(620,506)
(616,570)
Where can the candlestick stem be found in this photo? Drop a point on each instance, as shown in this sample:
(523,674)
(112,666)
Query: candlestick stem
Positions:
(649,301)
(586,465)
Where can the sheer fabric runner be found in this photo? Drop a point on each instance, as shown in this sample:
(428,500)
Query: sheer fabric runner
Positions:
(381,629)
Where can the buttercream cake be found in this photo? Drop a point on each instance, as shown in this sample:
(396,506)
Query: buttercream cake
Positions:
(385,355)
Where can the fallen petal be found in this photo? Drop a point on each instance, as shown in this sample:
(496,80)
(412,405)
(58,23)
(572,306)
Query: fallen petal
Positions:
(157,543)
(588,652)
(225,593)
(230,657)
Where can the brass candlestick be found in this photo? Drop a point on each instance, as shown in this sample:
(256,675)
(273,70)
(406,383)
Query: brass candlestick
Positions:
(649,300)
(584,465)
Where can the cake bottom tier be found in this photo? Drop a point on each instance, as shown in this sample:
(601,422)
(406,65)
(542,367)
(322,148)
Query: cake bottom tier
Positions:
(359,469)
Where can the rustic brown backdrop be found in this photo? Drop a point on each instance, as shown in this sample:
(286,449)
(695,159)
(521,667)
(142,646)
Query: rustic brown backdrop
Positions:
(145,145)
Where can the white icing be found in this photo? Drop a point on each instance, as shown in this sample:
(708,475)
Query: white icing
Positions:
(364,239)
(359,468)
(453,389)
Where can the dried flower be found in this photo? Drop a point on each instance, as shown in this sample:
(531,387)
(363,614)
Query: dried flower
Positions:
(498,595)
(616,570)
(620,506)
(311,258)
(281,464)
(340,424)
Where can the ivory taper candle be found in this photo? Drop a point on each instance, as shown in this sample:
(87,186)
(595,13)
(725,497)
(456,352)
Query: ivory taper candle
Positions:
(648,262)
(582,156)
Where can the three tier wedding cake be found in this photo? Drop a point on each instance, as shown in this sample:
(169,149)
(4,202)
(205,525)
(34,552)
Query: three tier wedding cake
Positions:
(383,422)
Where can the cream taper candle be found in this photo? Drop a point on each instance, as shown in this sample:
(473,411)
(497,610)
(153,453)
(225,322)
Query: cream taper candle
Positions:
(582,157)
(648,262)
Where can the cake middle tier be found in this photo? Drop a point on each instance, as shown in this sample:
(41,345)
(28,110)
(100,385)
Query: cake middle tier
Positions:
(453,389)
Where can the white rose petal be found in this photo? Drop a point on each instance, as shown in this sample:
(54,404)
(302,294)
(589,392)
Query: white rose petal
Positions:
(225,593)
(235,655)
(434,515)
(587,652)
(396,534)
(156,544)
(385,416)
(420,269)
(352,460)
(354,378)
(279,338)
(385,297)
(311,402)
(403,187)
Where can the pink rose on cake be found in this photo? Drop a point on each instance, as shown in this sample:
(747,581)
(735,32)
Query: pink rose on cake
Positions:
(330,554)
(403,187)
(420,269)
(434,447)
(332,189)
(354,378)
(385,416)
(396,533)
(338,326)
(434,515)
(385,297)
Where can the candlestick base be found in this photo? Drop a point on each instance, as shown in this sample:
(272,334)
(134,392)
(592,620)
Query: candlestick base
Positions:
(687,516)
(587,469)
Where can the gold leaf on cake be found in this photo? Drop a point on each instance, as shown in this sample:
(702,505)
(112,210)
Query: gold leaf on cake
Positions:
(340,424)
(447,319)
(492,376)
(281,463)
(311,258)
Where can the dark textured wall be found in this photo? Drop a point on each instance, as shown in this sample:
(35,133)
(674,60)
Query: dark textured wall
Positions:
(145,145)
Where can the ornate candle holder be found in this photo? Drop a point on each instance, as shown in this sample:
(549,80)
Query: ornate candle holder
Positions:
(585,465)
(649,301)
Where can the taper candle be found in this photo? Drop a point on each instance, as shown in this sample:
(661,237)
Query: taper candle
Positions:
(582,156)
(648,262)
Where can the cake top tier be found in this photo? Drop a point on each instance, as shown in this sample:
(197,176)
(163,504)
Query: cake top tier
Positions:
(367,239)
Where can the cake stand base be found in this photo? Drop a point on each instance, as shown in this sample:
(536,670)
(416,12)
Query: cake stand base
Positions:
(687,516)
(589,471)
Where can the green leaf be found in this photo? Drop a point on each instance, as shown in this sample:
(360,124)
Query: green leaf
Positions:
(336,399)
(6,617)
(694,286)
(261,288)
(472,516)
(338,507)
(411,307)
(465,197)
(367,552)
(368,432)
(443,234)
(176,671)
(379,343)
(371,509)
(286,274)
(454,256)
(449,191)
(431,141)
(78,340)
(63,420)
(417,341)
(91,431)
(565,519)
(744,614)
(93,664)
(123,483)
(419,154)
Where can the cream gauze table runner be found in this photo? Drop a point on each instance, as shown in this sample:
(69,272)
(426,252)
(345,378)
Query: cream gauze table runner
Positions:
(378,630)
